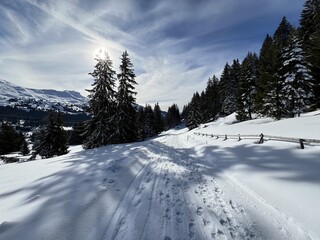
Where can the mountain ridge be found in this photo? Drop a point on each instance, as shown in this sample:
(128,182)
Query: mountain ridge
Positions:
(27,99)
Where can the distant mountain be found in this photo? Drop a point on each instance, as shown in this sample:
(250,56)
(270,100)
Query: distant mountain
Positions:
(28,99)
(31,105)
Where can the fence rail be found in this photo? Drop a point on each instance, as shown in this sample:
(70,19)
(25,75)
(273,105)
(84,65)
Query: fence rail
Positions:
(261,138)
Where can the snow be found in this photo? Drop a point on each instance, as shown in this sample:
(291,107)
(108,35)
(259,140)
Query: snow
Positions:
(176,186)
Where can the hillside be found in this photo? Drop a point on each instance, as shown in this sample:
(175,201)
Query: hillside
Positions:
(176,186)
(40,99)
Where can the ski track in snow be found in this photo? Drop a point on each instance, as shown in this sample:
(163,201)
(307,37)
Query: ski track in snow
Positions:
(171,198)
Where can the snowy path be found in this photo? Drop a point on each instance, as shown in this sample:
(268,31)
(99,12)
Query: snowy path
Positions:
(159,189)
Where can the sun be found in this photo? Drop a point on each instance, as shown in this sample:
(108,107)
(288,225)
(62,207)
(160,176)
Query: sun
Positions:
(100,53)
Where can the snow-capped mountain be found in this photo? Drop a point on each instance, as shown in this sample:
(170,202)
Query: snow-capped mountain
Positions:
(40,99)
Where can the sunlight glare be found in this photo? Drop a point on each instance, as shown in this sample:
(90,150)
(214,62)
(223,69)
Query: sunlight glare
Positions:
(100,53)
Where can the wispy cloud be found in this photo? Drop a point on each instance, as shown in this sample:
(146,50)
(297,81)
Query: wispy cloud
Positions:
(174,46)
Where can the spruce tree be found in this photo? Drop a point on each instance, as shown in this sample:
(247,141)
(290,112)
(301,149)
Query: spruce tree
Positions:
(212,93)
(173,116)
(310,34)
(296,92)
(224,84)
(99,130)
(267,76)
(158,119)
(9,139)
(53,139)
(149,124)
(194,118)
(247,87)
(273,102)
(24,149)
(140,120)
(126,128)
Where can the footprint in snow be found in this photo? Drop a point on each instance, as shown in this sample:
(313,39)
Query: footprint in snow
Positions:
(200,211)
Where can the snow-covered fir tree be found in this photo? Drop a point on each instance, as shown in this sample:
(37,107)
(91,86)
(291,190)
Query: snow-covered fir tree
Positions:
(247,87)
(126,127)
(297,83)
(99,130)
(272,101)
(267,76)
(212,95)
(53,138)
(310,35)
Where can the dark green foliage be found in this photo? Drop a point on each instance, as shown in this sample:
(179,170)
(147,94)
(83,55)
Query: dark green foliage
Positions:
(52,138)
(140,124)
(158,119)
(310,35)
(229,87)
(267,76)
(99,130)
(297,83)
(173,117)
(149,123)
(24,149)
(272,101)
(247,87)
(194,117)
(126,128)
(212,96)
(76,134)
(10,140)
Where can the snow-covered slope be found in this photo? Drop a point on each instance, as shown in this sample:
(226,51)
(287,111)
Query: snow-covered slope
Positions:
(176,186)
(40,99)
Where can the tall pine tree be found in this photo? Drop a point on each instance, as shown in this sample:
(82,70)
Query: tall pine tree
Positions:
(99,130)
(297,83)
(126,128)
(53,139)
(267,76)
(158,119)
(247,87)
(310,34)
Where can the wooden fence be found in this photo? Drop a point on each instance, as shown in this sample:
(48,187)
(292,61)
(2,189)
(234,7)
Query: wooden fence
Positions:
(261,138)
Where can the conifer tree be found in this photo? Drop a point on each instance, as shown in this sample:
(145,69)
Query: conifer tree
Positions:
(296,92)
(310,34)
(126,128)
(24,149)
(212,94)
(158,119)
(194,118)
(53,140)
(224,84)
(267,76)
(149,124)
(273,102)
(247,87)
(9,139)
(140,120)
(99,130)
(173,116)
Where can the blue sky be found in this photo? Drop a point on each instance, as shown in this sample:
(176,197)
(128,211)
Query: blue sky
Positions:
(175,46)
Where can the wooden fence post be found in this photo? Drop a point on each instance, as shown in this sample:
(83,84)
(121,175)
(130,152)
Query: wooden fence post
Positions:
(301,143)
(261,139)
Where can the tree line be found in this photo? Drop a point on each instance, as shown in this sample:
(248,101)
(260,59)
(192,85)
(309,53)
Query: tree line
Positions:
(283,81)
